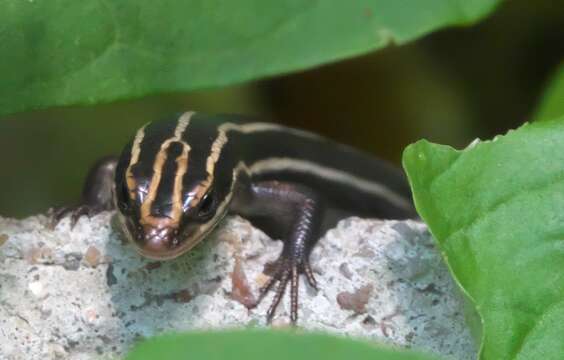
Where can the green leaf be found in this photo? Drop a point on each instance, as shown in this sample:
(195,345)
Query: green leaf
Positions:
(261,345)
(62,52)
(552,103)
(497,211)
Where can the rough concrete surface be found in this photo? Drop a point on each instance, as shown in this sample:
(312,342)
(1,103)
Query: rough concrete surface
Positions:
(85,294)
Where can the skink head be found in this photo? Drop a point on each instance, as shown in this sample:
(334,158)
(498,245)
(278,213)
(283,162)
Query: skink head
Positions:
(165,196)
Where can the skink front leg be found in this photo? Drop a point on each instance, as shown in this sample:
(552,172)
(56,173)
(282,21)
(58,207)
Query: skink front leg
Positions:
(96,193)
(293,213)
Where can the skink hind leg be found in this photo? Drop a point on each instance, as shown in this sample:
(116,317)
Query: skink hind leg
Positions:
(96,194)
(294,214)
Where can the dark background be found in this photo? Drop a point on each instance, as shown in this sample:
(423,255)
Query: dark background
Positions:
(449,87)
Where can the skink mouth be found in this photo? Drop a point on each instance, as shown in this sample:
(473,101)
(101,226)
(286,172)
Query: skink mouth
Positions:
(160,240)
(164,243)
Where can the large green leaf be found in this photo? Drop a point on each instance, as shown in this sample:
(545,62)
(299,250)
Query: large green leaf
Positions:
(61,52)
(497,211)
(261,345)
(552,103)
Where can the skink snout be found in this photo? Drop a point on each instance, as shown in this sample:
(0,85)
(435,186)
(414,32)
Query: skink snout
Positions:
(158,239)
(161,238)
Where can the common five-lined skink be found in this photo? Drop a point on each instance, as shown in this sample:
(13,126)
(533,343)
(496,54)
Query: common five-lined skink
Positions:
(179,177)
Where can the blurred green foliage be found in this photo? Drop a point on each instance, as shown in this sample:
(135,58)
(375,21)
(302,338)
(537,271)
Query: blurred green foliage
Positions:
(258,345)
(497,212)
(552,104)
(65,52)
(451,86)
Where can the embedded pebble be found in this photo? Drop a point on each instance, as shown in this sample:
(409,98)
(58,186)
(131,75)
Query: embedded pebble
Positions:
(355,301)
(92,256)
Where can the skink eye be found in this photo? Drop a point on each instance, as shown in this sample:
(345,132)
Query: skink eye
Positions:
(206,205)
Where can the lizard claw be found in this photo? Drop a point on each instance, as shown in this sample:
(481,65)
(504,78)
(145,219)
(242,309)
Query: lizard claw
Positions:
(75,212)
(286,271)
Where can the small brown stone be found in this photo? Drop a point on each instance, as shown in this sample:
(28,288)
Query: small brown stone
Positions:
(241,291)
(92,256)
(355,301)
